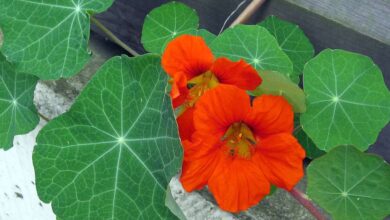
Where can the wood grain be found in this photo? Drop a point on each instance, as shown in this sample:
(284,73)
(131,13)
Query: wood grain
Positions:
(370,18)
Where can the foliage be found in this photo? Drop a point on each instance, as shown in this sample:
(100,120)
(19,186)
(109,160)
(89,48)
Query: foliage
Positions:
(112,155)
(47,38)
(255,45)
(167,22)
(350,184)
(347,100)
(293,42)
(17,111)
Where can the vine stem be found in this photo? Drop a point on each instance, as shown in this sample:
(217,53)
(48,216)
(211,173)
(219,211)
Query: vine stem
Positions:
(297,128)
(43,117)
(112,36)
(248,12)
(308,204)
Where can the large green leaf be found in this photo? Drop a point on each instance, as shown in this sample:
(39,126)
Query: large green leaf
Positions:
(350,184)
(347,100)
(48,38)
(113,154)
(278,84)
(312,151)
(206,35)
(293,42)
(17,111)
(166,22)
(255,45)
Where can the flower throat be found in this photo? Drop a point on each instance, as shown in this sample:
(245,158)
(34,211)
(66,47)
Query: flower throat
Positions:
(239,140)
(199,85)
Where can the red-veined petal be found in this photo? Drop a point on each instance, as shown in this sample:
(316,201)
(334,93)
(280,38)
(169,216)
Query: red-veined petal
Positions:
(220,107)
(240,73)
(237,184)
(280,157)
(188,55)
(270,115)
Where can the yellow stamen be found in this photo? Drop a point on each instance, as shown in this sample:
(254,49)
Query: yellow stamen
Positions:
(199,85)
(239,140)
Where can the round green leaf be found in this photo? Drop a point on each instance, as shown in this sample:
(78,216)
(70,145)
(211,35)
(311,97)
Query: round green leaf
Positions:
(165,23)
(312,151)
(278,84)
(17,111)
(347,100)
(350,184)
(48,38)
(206,35)
(293,42)
(255,45)
(113,154)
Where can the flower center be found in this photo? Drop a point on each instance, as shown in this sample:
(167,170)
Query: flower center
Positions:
(239,140)
(199,85)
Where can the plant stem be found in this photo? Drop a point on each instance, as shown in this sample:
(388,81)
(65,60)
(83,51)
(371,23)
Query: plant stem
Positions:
(297,128)
(308,204)
(248,12)
(114,38)
(43,117)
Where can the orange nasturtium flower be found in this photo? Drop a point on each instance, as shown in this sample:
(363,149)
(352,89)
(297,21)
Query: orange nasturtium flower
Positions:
(194,70)
(238,149)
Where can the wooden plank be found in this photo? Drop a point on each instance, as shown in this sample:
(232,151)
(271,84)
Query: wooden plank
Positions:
(369,18)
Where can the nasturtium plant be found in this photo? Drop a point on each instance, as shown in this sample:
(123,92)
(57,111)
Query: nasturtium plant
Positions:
(347,100)
(17,111)
(293,42)
(350,184)
(167,22)
(112,155)
(279,84)
(48,38)
(255,45)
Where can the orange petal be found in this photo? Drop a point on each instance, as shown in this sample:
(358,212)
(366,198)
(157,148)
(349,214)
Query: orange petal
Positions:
(218,108)
(280,157)
(270,115)
(239,73)
(179,91)
(196,173)
(186,124)
(238,184)
(200,146)
(188,55)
